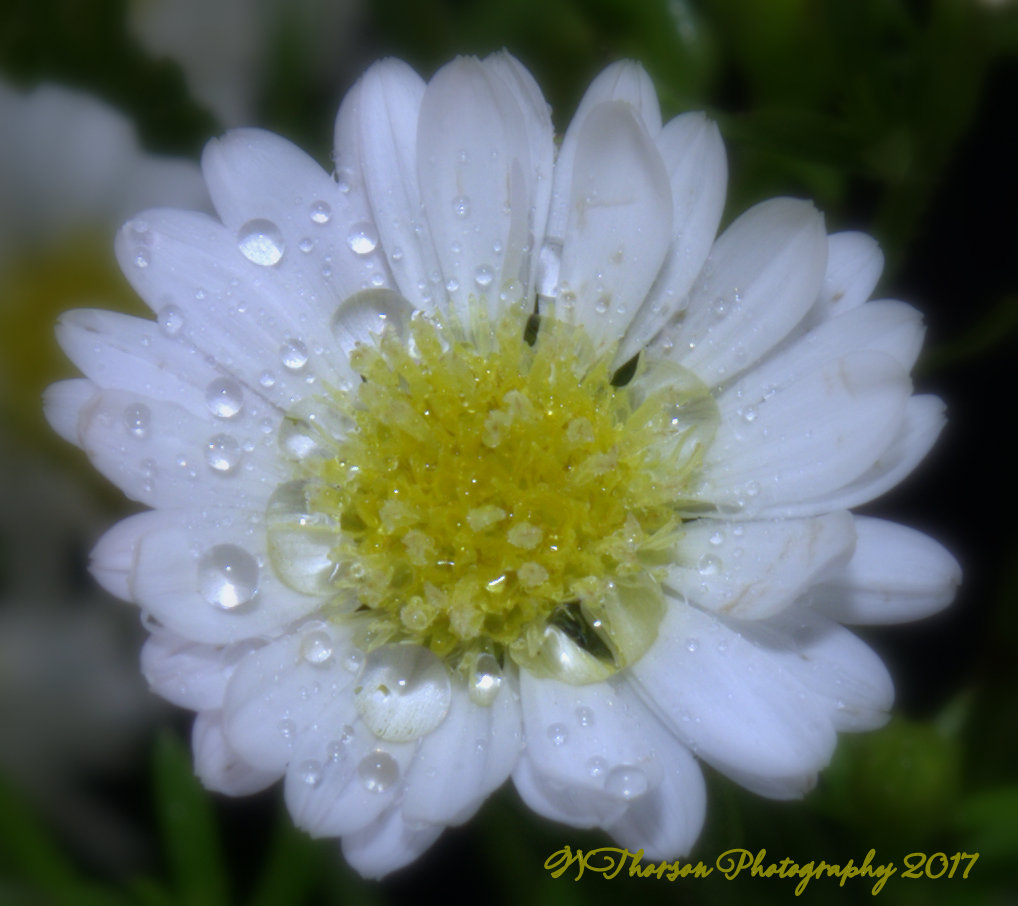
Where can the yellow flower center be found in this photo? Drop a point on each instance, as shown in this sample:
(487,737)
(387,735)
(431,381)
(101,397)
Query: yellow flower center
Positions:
(498,490)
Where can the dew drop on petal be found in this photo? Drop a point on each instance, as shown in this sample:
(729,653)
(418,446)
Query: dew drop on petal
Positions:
(585,716)
(461,206)
(137,419)
(558,734)
(626,782)
(485,679)
(171,320)
(223,453)
(403,692)
(321,212)
(316,648)
(142,258)
(368,313)
(378,771)
(224,397)
(596,766)
(363,238)
(261,242)
(310,772)
(227,576)
(306,244)
(484,275)
(293,354)
(287,728)
(692,645)
(708,565)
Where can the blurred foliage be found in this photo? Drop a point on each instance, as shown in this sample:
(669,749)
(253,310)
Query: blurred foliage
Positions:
(897,117)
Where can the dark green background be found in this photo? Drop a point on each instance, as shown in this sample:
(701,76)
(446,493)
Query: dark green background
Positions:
(898,119)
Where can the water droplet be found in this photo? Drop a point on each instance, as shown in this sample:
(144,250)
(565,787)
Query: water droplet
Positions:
(368,313)
(461,206)
(171,320)
(378,771)
(403,693)
(484,275)
(354,661)
(344,178)
(306,244)
(363,238)
(626,782)
(287,728)
(261,242)
(310,772)
(708,565)
(717,538)
(749,414)
(596,766)
(585,716)
(227,576)
(223,453)
(335,751)
(142,258)
(321,212)
(293,354)
(224,397)
(558,734)
(316,647)
(692,645)
(752,488)
(137,419)
(267,379)
(602,305)
(485,679)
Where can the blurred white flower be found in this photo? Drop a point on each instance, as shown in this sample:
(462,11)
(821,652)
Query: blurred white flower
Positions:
(475,462)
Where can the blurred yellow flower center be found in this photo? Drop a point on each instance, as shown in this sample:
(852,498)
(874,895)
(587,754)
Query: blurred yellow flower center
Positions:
(492,491)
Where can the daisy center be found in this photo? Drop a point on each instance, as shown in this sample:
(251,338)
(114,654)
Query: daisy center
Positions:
(498,491)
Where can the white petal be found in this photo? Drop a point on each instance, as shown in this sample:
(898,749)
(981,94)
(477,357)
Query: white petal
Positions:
(854,265)
(896,574)
(255,176)
(921,425)
(246,318)
(622,81)
(735,706)
(581,742)
(390,843)
(218,767)
(468,756)
(836,666)
(694,156)
(476,182)
(540,135)
(166,561)
(666,824)
(760,280)
(619,226)
(159,453)
(264,712)
(63,403)
(384,106)
(814,435)
(186,673)
(757,569)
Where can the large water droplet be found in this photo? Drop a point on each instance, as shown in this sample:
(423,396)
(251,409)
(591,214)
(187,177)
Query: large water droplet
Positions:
(708,565)
(224,397)
(484,275)
(137,418)
(366,314)
(403,692)
(363,238)
(223,453)
(171,320)
(293,354)
(321,212)
(485,679)
(316,647)
(626,782)
(261,242)
(378,771)
(227,576)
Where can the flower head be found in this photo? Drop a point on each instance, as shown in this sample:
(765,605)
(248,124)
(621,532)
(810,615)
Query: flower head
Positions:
(477,461)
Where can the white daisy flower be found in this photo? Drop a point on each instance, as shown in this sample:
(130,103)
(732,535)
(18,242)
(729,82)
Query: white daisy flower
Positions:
(477,461)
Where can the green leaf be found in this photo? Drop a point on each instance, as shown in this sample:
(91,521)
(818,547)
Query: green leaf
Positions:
(187,821)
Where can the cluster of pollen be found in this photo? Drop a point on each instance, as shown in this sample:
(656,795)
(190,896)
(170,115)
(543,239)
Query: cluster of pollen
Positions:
(489,480)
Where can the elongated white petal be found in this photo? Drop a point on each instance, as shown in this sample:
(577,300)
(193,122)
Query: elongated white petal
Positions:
(476,181)
(733,704)
(218,767)
(63,404)
(619,226)
(756,569)
(389,843)
(186,673)
(694,157)
(816,435)
(761,278)
(854,264)
(895,574)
